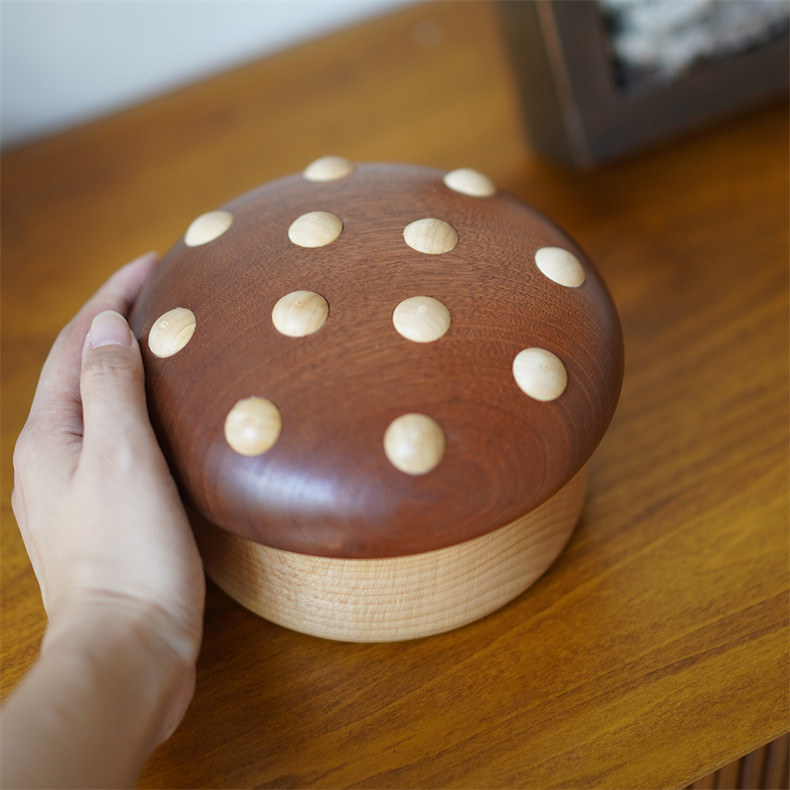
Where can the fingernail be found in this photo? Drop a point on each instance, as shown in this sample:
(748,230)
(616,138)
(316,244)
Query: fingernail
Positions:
(109,328)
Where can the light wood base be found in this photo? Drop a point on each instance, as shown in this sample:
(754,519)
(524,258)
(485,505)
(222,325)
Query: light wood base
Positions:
(390,599)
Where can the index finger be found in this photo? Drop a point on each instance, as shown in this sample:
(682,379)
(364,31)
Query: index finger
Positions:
(57,407)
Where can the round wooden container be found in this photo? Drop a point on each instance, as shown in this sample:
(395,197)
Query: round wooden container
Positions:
(378,387)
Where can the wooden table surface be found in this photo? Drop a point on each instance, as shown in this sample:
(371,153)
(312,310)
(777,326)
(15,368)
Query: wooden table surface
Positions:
(656,649)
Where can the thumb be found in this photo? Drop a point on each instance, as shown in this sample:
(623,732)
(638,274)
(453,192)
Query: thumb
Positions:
(111,384)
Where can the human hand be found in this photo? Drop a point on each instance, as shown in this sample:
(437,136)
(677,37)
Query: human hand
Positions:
(98,510)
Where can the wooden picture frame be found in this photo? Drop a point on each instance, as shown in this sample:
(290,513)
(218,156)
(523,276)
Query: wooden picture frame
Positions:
(577,114)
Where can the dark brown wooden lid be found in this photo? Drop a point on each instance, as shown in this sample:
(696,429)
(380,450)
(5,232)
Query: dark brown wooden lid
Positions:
(326,486)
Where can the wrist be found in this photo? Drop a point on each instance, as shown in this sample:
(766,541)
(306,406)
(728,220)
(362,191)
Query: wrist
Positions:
(135,654)
(110,684)
(145,623)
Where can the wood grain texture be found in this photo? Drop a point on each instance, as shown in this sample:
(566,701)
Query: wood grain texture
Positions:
(766,768)
(207,227)
(252,426)
(421,319)
(171,332)
(414,443)
(655,650)
(395,598)
(430,236)
(326,487)
(469,182)
(540,374)
(560,266)
(315,229)
(328,168)
(300,313)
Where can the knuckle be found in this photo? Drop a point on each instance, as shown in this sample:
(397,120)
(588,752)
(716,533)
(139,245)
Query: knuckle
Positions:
(110,362)
(72,334)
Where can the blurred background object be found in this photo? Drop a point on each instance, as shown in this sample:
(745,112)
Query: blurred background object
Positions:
(654,42)
(605,78)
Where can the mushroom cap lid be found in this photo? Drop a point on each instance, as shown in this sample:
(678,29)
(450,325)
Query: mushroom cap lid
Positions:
(327,486)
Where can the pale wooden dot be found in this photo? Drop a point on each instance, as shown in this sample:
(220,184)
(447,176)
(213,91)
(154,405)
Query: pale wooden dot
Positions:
(421,319)
(207,227)
(560,266)
(300,313)
(430,235)
(315,229)
(171,332)
(470,182)
(328,168)
(414,443)
(253,426)
(540,374)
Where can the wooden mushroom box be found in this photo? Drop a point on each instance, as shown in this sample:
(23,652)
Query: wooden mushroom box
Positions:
(378,387)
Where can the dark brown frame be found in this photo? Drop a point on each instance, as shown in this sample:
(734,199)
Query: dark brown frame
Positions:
(576,114)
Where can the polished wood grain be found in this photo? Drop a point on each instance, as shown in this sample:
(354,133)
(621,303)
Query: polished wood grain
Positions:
(470,182)
(315,229)
(655,651)
(252,426)
(328,168)
(393,598)
(300,313)
(330,486)
(171,332)
(430,236)
(207,227)
(560,266)
(421,319)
